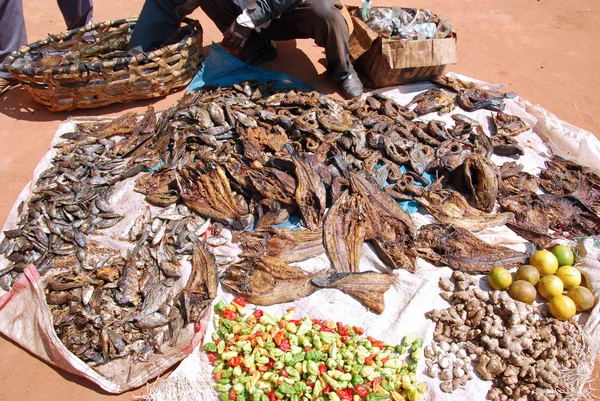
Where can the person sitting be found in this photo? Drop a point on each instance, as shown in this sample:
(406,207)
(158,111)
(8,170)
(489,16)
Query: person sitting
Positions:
(249,28)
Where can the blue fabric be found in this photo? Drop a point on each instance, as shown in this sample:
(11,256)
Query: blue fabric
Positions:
(223,69)
(412,206)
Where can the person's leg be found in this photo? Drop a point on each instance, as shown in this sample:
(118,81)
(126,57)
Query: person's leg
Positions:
(76,13)
(322,21)
(12,32)
(158,20)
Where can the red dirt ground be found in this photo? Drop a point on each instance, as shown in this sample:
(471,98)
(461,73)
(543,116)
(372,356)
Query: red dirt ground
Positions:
(543,50)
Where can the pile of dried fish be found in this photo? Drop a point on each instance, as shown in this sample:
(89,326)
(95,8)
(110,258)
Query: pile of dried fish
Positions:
(249,157)
(104,305)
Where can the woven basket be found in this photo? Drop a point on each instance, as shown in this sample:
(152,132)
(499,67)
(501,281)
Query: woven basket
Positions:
(84,84)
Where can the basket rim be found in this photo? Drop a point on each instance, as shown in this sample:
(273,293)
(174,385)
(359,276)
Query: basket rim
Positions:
(87,66)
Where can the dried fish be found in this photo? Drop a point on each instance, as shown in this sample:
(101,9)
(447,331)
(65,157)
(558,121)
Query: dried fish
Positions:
(344,233)
(479,177)
(460,250)
(433,99)
(267,281)
(286,245)
(206,190)
(368,287)
(509,125)
(450,207)
(310,193)
(201,287)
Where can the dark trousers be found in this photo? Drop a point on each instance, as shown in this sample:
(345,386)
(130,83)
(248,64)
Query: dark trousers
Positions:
(76,13)
(320,20)
(13,34)
(12,30)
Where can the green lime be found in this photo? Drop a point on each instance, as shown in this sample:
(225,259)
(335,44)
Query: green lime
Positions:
(564,254)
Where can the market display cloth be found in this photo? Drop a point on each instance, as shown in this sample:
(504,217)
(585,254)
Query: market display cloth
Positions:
(412,295)
(25,317)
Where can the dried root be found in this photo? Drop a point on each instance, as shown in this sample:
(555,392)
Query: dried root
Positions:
(528,357)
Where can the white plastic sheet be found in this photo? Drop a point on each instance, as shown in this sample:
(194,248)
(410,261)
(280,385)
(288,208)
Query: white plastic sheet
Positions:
(25,317)
(412,295)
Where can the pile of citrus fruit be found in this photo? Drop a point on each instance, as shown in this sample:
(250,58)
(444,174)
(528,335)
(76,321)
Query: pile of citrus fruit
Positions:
(553,273)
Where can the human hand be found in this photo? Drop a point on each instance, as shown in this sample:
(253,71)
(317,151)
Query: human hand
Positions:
(235,37)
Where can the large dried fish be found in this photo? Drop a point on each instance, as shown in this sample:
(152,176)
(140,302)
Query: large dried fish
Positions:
(286,245)
(433,99)
(389,227)
(479,177)
(273,184)
(201,287)
(531,218)
(368,287)
(268,281)
(206,190)
(310,193)
(374,196)
(344,233)
(507,124)
(450,207)
(460,250)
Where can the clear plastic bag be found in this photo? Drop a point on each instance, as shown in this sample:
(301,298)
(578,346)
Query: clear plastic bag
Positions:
(405,23)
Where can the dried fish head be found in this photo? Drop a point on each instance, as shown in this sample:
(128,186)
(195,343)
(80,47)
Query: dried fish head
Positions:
(478,175)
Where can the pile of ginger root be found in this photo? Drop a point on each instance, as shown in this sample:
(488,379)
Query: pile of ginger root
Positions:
(527,356)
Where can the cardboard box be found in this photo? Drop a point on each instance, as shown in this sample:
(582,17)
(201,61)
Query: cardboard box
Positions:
(390,61)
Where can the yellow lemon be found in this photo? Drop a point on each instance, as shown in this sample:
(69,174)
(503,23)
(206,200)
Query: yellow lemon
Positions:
(499,278)
(550,286)
(562,307)
(570,276)
(544,261)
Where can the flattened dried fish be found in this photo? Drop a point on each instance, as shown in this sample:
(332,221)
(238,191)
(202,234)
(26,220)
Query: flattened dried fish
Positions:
(507,124)
(273,184)
(389,227)
(506,146)
(434,99)
(450,207)
(344,233)
(286,245)
(206,191)
(560,177)
(531,218)
(478,174)
(201,287)
(268,281)
(460,250)
(368,287)
(310,194)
